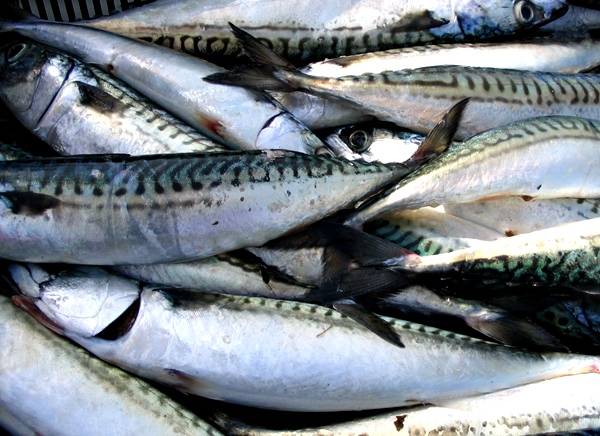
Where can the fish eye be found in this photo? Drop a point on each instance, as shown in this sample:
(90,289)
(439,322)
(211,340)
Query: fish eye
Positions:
(527,13)
(359,140)
(15,51)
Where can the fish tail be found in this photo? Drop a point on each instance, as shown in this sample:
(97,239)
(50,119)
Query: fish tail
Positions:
(268,73)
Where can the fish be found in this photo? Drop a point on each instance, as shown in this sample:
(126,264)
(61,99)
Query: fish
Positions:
(285,355)
(301,35)
(503,162)
(75,389)
(415,98)
(236,118)
(517,215)
(428,231)
(565,256)
(79,109)
(548,54)
(578,20)
(119,209)
(525,410)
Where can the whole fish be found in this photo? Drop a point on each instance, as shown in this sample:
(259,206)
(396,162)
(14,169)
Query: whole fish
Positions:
(288,355)
(517,159)
(566,255)
(516,215)
(562,406)
(552,55)
(171,79)
(111,210)
(79,109)
(50,386)
(427,231)
(415,98)
(304,32)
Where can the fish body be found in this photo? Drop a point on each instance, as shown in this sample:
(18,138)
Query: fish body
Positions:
(514,160)
(79,109)
(36,365)
(171,79)
(300,357)
(303,32)
(164,208)
(552,55)
(516,215)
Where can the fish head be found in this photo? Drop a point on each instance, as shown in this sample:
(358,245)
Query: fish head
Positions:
(30,77)
(82,301)
(485,19)
(285,132)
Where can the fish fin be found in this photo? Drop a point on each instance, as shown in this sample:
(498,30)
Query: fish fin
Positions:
(369,320)
(96,98)
(423,20)
(27,304)
(12,13)
(122,324)
(517,332)
(259,52)
(359,282)
(29,203)
(255,77)
(440,137)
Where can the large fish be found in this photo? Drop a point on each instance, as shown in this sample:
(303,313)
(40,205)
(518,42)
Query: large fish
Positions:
(163,208)
(415,98)
(50,386)
(303,31)
(173,80)
(287,355)
(518,159)
(79,109)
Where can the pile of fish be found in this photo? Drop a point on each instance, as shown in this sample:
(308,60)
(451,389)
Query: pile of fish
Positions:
(280,208)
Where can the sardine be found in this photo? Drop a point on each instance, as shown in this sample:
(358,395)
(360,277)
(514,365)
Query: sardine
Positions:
(304,32)
(415,98)
(173,80)
(562,406)
(427,231)
(162,208)
(516,215)
(518,159)
(295,356)
(53,387)
(79,109)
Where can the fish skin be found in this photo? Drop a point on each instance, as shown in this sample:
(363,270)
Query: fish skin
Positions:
(565,255)
(112,210)
(285,355)
(303,32)
(171,79)
(516,215)
(462,174)
(414,99)
(36,365)
(82,110)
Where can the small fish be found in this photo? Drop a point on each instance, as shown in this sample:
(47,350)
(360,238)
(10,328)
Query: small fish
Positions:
(286,355)
(112,210)
(415,98)
(303,32)
(517,159)
(79,109)
(518,215)
(236,118)
(50,386)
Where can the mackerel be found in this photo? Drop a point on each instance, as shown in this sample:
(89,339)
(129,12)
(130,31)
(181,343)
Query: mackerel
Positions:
(414,99)
(293,356)
(302,32)
(518,159)
(50,386)
(516,215)
(164,208)
(79,109)
(173,80)
(566,255)
(427,231)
